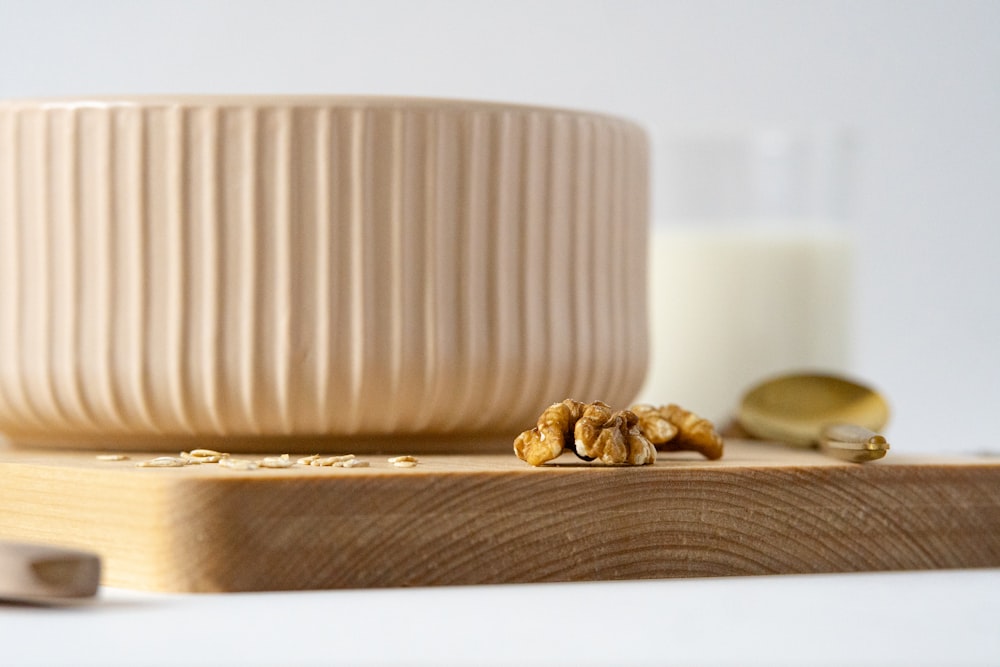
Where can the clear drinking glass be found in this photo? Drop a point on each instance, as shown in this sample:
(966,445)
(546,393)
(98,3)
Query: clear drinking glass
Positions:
(750,263)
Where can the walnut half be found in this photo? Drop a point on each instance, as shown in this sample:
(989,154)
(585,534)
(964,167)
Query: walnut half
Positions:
(612,437)
(593,431)
(693,433)
(548,439)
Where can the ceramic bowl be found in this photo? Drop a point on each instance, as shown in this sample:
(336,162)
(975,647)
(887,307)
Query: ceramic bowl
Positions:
(268,271)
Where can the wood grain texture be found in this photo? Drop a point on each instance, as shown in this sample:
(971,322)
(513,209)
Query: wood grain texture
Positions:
(489,518)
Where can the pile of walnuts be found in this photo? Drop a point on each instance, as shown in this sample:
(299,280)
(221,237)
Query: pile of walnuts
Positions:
(625,437)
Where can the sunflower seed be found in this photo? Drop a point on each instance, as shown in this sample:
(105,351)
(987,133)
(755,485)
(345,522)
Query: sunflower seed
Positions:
(283,461)
(206,452)
(332,460)
(163,462)
(351,463)
(405,461)
(238,464)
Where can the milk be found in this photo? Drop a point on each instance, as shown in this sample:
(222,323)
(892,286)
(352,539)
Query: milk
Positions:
(730,304)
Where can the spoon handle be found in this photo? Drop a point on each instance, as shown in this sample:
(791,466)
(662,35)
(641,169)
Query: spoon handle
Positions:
(850,442)
(38,573)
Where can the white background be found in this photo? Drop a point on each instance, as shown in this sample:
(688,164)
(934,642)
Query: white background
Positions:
(903,619)
(918,83)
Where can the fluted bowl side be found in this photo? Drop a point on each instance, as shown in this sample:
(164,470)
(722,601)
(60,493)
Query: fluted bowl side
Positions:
(311,267)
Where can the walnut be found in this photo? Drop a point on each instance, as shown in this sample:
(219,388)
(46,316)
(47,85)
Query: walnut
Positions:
(547,440)
(593,431)
(596,432)
(693,432)
(612,437)
(654,424)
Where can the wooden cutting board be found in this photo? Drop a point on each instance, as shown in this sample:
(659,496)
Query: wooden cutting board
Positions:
(489,518)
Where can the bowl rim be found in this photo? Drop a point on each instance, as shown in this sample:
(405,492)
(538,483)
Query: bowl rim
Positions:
(253,100)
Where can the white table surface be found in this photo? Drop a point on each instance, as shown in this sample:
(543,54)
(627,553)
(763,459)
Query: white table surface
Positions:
(906,618)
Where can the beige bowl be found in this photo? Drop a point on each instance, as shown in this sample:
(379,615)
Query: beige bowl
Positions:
(252,268)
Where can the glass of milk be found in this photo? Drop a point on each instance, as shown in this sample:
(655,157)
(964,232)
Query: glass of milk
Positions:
(750,263)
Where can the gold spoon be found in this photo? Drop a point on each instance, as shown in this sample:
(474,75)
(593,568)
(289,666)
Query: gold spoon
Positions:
(840,416)
(850,442)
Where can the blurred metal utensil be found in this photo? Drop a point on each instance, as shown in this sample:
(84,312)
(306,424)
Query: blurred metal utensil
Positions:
(838,415)
(850,442)
(46,574)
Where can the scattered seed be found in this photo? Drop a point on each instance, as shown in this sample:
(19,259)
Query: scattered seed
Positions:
(203,456)
(238,464)
(282,461)
(112,457)
(206,453)
(332,460)
(163,462)
(405,461)
(197,460)
(351,463)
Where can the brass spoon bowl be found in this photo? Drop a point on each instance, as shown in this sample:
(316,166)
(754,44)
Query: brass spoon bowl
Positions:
(796,408)
(853,443)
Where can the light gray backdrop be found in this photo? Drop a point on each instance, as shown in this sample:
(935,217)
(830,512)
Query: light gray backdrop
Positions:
(919,83)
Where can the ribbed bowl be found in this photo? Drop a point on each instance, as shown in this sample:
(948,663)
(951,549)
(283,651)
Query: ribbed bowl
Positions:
(251,268)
